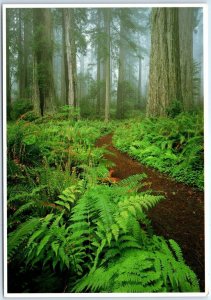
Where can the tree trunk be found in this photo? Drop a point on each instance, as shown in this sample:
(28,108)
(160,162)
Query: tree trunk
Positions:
(186,55)
(139,81)
(164,78)
(64,81)
(20,56)
(26,53)
(71,89)
(98,106)
(107,18)
(121,76)
(82,82)
(44,58)
(73,53)
(8,78)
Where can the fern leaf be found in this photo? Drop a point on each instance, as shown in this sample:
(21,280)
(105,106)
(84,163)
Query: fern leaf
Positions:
(16,237)
(177,250)
(55,247)
(42,244)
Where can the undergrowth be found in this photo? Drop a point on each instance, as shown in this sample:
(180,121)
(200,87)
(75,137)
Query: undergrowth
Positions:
(174,146)
(71,231)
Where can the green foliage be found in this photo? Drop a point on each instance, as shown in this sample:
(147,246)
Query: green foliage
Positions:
(29,116)
(20,107)
(141,271)
(174,146)
(174,109)
(65,220)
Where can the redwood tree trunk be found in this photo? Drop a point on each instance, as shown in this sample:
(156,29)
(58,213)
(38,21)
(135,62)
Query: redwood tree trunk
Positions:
(70,62)
(98,106)
(139,80)
(107,18)
(64,81)
(121,76)
(73,53)
(186,55)
(44,58)
(8,78)
(164,78)
(20,55)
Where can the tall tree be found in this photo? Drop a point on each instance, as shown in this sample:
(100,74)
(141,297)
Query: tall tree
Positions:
(107,20)
(139,79)
(164,78)
(27,43)
(186,25)
(98,50)
(64,67)
(20,72)
(70,56)
(8,69)
(121,69)
(43,48)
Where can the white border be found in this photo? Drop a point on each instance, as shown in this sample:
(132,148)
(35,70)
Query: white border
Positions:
(206,127)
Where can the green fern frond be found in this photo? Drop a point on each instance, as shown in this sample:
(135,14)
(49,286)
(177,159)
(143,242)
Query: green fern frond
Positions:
(23,231)
(177,250)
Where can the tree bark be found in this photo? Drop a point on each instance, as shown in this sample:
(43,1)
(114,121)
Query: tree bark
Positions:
(186,55)
(71,88)
(44,58)
(73,53)
(98,106)
(121,71)
(64,81)
(26,52)
(8,77)
(20,56)
(139,80)
(164,78)
(107,18)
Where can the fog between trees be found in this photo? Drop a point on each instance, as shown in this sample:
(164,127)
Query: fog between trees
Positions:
(109,62)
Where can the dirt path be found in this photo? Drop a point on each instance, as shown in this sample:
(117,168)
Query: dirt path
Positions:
(179,217)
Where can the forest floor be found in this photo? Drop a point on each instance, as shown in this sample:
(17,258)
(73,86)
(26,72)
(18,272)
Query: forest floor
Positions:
(180,216)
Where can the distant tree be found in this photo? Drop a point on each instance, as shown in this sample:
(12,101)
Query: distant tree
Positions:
(8,62)
(43,49)
(20,54)
(164,77)
(132,23)
(122,60)
(107,21)
(99,58)
(71,97)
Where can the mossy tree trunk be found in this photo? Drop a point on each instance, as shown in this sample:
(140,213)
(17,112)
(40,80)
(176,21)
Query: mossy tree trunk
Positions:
(164,78)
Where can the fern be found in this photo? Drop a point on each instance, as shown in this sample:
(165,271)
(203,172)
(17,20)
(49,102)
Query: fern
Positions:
(140,271)
(23,231)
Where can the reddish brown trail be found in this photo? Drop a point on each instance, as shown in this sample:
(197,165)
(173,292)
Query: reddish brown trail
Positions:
(180,216)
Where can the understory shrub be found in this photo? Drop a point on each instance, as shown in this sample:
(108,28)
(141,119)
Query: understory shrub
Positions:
(174,146)
(95,237)
(20,107)
(68,225)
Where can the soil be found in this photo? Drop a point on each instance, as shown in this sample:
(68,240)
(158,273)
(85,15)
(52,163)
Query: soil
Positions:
(180,216)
